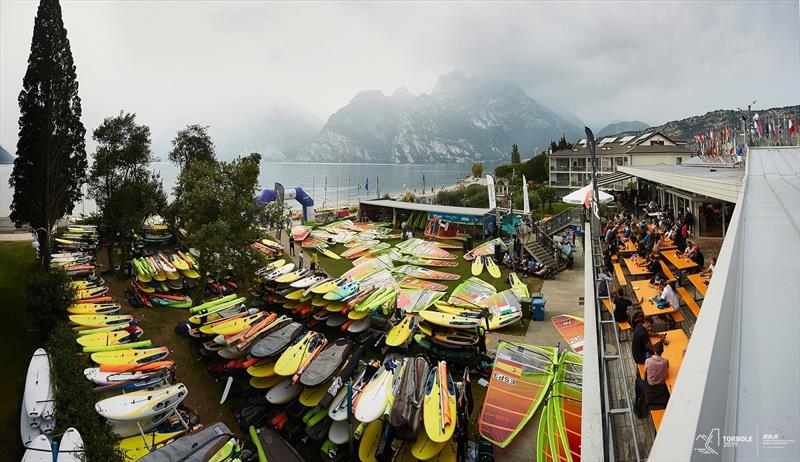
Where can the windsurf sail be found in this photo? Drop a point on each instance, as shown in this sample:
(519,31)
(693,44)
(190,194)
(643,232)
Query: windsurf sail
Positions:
(487,248)
(470,292)
(559,435)
(571,330)
(501,303)
(415,300)
(520,379)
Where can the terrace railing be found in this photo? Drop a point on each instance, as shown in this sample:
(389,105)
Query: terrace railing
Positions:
(561,219)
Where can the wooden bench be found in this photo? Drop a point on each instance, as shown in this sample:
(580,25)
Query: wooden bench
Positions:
(620,275)
(657,415)
(623,326)
(690,303)
(677,317)
(671,277)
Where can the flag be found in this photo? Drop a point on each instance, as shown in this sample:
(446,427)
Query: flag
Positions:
(490,187)
(366,184)
(759,128)
(526,206)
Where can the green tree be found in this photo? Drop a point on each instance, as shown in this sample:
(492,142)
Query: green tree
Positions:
(537,168)
(125,190)
(220,214)
(50,167)
(190,144)
(547,195)
(515,159)
(477,169)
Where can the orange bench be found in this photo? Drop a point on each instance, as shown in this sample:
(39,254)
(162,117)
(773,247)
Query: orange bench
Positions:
(690,303)
(677,316)
(610,307)
(667,272)
(620,275)
(657,415)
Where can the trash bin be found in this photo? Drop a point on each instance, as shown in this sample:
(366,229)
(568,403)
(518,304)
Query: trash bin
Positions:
(538,309)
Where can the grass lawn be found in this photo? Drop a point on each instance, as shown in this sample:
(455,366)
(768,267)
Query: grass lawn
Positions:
(557,207)
(17,259)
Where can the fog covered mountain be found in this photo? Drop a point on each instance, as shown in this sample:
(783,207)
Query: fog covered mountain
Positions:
(463,119)
(622,127)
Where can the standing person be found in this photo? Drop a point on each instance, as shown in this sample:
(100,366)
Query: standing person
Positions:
(314,261)
(291,245)
(689,220)
(300,259)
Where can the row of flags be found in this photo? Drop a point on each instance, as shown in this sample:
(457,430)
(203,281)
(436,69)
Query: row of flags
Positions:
(727,140)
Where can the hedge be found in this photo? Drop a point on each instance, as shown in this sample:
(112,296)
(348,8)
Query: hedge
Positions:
(75,398)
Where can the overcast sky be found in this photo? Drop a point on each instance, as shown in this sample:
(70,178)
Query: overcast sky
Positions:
(224,63)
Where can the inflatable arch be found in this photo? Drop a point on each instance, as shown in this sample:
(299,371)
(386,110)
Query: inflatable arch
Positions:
(297,193)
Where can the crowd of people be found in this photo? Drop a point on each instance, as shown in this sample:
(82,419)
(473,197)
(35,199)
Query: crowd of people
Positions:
(646,238)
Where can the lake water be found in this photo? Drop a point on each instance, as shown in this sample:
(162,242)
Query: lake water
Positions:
(328,184)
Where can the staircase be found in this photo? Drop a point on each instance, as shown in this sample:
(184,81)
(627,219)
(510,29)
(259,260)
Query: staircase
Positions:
(539,243)
(540,253)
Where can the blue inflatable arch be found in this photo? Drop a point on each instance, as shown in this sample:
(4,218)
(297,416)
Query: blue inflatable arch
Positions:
(297,193)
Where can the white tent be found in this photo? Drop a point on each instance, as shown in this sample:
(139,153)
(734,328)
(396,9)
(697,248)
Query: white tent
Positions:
(579,196)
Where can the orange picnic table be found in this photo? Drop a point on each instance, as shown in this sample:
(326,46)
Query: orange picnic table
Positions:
(633,266)
(643,290)
(699,282)
(667,244)
(627,247)
(678,262)
(674,352)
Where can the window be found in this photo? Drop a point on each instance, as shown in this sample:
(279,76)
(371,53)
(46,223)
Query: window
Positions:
(618,160)
(579,164)
(656,142)
(562,164)
(678,160)
(561,179)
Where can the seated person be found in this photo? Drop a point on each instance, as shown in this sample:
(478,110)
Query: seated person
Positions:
(641,347)
(641,249)
(621,305)
(687,252)
(507,260)
(697,256)
(602,285)
(706,273)
(668,295)
(656,368)
(658,279)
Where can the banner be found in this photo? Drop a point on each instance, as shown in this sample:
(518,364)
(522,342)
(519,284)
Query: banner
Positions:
(280,194)
(595,194)
(526,205)
(490,187)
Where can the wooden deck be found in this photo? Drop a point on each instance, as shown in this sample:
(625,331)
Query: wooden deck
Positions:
(622,373)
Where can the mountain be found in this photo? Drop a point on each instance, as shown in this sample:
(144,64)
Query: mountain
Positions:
(684,129)
(5,156)
(463,119)
(628,126)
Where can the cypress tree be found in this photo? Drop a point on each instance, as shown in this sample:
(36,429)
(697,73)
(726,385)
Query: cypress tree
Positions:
(51,152)
(515,159)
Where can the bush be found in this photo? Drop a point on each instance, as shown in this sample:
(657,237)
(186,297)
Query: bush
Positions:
(48,294)
(75,398)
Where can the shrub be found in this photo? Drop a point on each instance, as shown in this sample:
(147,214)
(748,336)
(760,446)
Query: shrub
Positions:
(48,294)
(75,398)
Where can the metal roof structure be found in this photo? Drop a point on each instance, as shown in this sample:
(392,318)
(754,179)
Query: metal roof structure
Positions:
(736,397)
(443,209)
(719,183)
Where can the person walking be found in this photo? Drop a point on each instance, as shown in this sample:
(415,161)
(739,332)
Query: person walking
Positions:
(291,245)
